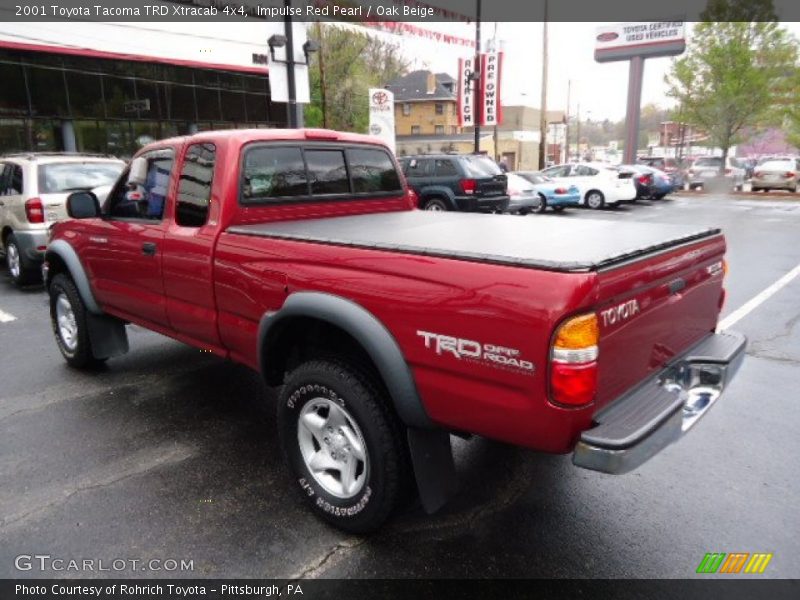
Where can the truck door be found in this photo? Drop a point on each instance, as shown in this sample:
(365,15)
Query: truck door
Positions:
(124,250)
(189,248)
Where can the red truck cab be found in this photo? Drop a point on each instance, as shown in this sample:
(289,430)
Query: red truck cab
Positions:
(299,254)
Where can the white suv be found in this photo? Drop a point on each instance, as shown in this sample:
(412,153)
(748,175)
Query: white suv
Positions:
(33,193)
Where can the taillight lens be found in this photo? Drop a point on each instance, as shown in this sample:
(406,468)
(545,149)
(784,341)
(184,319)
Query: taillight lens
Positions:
(789,174)
(562,191)
(34,210)
(468,186)
(728,171)
(757,174)
(413,198)
(573,361)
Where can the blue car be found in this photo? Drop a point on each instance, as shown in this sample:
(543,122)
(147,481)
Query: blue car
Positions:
(557,196)
(651,183)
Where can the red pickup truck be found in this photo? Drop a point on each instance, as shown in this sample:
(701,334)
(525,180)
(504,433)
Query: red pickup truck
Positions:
(299,254)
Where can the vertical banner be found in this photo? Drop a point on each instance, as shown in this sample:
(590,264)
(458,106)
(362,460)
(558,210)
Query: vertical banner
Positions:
(381,115)
(466,94)
(491,70)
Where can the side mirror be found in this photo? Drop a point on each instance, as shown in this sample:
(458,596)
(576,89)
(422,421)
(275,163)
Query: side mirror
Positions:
(83,205)
(138,171)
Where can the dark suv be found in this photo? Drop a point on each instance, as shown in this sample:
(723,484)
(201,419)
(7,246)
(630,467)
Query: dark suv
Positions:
(466,182)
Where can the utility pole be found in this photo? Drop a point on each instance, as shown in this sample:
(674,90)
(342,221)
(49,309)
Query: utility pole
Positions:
(566,123)
(543,108)
(322,77)
(578,134)
(294,112)
(476,69)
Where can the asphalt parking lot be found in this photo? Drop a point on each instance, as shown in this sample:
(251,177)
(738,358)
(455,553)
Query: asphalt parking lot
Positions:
(169,453)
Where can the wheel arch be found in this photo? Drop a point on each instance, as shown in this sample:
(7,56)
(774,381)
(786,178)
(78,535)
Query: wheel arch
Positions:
(346,322)
(442,192)
(61,257)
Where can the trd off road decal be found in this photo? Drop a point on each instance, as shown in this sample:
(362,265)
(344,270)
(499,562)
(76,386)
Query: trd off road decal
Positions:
(470,350)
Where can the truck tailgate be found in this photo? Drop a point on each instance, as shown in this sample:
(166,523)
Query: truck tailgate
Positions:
(653,309)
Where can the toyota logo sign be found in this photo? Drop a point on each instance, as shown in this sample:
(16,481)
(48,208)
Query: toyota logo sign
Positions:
(380,98)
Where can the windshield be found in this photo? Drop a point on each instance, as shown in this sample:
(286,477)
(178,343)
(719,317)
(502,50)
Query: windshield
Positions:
(535,177)
(70,176)
(480,166)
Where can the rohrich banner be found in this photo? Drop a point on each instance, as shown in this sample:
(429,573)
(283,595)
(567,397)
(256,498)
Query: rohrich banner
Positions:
(488,110)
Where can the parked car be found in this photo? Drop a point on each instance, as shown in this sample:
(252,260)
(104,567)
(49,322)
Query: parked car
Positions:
(523,198)
(707,168)
(776,175)
(33,192)
(600,184)
(650,183)
(388,328)
(556,195)
(673,167)
(464,182)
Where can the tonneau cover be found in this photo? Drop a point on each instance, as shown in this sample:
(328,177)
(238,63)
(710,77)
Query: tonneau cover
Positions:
(555,243)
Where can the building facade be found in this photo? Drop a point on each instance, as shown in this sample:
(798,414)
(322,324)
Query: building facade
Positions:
(425,104)
(121,85)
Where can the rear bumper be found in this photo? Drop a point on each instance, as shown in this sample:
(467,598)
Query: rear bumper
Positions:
(490,203)
(661,410)
(29,243)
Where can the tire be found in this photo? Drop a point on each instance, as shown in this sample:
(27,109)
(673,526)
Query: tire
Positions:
(20,274)
(659,196)
(542,205)
(558,209)
(595,199)
(329,412)
(524,212)
(435,204)
(68,318)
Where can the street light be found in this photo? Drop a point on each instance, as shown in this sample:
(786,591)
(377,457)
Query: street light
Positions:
(276,41)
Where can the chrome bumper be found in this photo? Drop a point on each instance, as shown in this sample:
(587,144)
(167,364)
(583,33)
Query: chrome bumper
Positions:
(662,409)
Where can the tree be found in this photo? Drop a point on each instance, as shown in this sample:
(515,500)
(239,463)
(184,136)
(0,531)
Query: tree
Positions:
(352,62)
(738,59)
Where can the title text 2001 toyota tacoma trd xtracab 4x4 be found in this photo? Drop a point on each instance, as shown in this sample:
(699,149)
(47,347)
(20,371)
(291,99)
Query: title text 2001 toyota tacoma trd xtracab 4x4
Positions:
(298,253)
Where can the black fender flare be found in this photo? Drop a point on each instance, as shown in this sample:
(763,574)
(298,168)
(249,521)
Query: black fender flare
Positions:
(429,446)
(108,335)
(368,331)
(67,254)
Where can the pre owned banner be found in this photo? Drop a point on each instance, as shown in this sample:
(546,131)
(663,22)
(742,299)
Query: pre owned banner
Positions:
(489,109)
(491,70)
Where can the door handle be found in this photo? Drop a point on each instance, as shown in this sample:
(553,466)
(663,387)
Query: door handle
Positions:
(149,249)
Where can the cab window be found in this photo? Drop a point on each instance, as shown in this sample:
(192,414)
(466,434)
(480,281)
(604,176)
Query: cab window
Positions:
(194,187)
(129,200)
(372,171)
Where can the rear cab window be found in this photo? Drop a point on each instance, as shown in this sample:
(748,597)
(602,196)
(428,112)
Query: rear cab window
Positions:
(280,172)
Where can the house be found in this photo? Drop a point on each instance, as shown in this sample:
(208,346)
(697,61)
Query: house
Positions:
(425,104)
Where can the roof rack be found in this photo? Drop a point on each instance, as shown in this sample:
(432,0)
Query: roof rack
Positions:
(35,155)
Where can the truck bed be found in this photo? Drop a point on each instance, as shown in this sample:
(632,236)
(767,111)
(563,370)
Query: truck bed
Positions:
(552,243)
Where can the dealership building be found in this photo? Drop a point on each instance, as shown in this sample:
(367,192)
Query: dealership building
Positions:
(113,87)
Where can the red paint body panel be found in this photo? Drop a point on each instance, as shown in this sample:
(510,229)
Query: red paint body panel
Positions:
(210,288)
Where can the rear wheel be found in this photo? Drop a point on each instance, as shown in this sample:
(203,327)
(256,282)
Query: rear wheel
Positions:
(20,274)
(541,206)
(595,199)
(344,444)
(436,204)
(69,320)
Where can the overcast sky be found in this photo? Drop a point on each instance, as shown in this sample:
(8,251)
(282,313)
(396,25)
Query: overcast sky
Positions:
(601,89)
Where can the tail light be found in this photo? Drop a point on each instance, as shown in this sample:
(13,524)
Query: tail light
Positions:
(413,198)
(728,171)
(757,174)
(34,210)
(788,174)
(723,294)
(573,361)
(644,179)
(468,186)
(561,191)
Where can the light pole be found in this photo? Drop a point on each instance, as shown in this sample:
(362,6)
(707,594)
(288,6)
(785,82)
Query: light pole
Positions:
(478,111)
(543,107)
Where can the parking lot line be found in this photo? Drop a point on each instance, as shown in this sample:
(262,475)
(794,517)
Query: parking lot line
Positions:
(6,317)
(749,306)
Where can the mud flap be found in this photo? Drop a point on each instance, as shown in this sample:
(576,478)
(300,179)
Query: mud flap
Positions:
(108,336)
(434,468)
